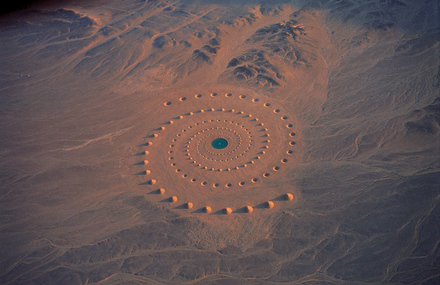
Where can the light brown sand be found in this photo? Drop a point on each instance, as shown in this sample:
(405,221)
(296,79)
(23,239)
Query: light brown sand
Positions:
(334,102)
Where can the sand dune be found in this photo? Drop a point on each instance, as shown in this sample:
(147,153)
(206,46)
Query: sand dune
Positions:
(327,167)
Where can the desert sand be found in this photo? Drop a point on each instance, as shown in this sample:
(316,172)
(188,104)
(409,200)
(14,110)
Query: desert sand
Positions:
(220,142)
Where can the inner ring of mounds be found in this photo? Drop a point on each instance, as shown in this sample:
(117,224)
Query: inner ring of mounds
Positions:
(201,144)
(219,143)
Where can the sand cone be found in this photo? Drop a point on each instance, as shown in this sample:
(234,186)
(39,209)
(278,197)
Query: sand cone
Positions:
(248,209)
(227,211)
(288,197)
(269,204)
(173,199)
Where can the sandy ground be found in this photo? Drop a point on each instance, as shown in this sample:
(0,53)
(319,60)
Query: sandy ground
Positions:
(105,103)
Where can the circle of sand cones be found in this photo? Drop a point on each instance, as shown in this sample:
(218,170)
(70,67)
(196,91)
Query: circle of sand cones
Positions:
(248,209)
(269,204)
(288,197)
(227,211)
(244,122)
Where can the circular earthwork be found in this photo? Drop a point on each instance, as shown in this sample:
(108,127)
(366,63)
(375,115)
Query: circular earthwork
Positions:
(221,149)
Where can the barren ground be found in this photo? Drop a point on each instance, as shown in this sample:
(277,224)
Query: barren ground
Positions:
(104,103)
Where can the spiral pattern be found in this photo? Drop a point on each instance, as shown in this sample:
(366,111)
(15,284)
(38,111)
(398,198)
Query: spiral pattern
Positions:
(258,144)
